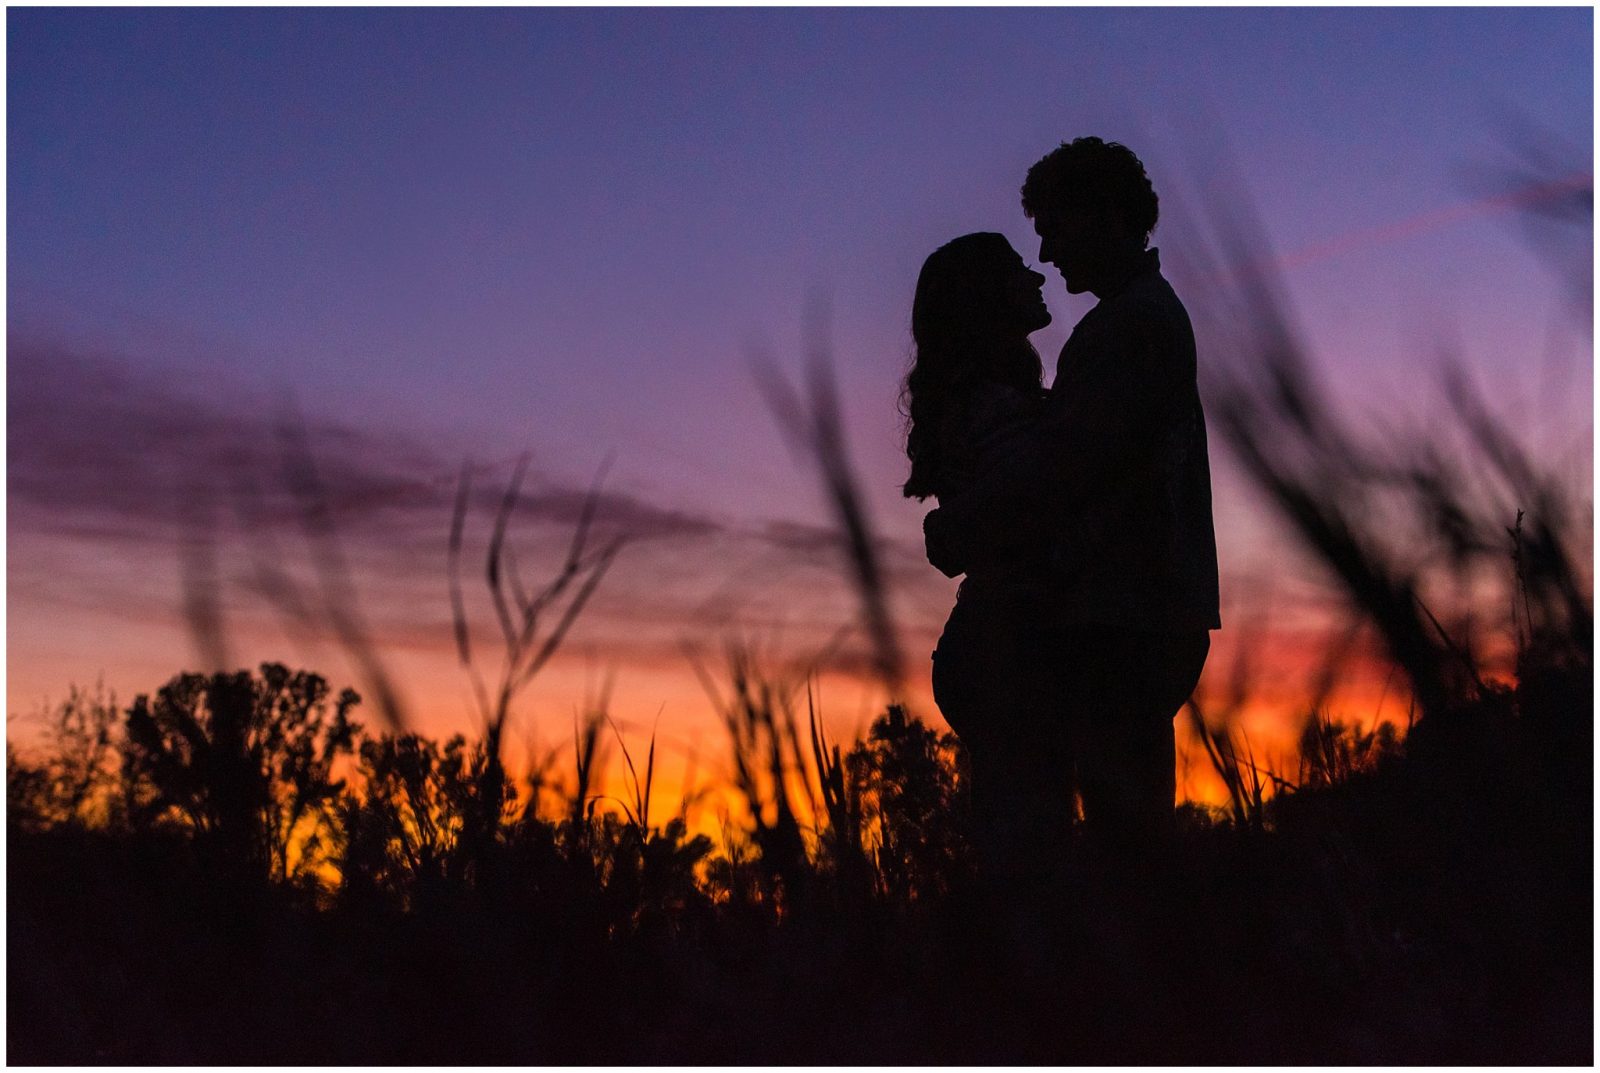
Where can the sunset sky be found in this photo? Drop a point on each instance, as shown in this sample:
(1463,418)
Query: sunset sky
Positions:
(442,235)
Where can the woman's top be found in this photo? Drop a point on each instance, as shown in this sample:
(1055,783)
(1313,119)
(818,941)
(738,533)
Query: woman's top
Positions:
(986,417)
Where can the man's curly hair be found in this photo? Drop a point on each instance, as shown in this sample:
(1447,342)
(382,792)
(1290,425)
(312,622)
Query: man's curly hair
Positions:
(1096,174)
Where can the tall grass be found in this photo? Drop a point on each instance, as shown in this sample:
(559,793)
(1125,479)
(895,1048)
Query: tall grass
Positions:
(520,612)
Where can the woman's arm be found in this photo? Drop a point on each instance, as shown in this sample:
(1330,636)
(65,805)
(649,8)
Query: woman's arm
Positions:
(1067,462)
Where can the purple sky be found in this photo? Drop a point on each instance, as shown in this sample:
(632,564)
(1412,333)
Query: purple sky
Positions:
(474,232)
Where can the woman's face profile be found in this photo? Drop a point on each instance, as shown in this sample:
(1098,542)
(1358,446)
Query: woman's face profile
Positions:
(1023,295)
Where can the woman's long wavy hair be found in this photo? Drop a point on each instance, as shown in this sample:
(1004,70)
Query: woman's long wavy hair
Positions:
(964,330)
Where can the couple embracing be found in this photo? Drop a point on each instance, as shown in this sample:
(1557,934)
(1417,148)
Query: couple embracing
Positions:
(1080,515)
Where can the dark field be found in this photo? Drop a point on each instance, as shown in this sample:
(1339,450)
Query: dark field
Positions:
(1430,905)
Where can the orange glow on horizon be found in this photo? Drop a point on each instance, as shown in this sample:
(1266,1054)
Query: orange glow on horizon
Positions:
(664,699)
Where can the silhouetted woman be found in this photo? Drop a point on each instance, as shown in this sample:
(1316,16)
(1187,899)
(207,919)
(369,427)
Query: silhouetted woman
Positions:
(974,385)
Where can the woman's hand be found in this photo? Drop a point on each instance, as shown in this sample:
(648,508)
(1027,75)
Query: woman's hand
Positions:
(941,545)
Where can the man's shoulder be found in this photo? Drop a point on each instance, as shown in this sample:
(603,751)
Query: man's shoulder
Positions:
(1149,309)
(1151,293)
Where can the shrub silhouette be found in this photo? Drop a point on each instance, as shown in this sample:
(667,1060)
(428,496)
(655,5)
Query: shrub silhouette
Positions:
(246,762)
(402,834)
(1332,752)
(910,785)
(75,781)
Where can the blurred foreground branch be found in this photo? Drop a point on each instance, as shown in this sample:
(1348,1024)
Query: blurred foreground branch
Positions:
(814,429)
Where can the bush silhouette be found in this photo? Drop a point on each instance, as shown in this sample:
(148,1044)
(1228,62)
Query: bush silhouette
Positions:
(246,762)
(911,787)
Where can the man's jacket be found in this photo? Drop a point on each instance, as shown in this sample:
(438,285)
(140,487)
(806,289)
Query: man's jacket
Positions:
(1115,478)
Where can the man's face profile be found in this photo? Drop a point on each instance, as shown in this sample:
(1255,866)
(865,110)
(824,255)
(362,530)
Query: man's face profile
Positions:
(1065,241)
(1079,242)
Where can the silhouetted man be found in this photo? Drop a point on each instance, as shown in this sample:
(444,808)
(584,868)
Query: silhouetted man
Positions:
(1116,475)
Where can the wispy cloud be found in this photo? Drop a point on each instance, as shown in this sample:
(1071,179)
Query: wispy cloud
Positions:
(102,449)
(118,472)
